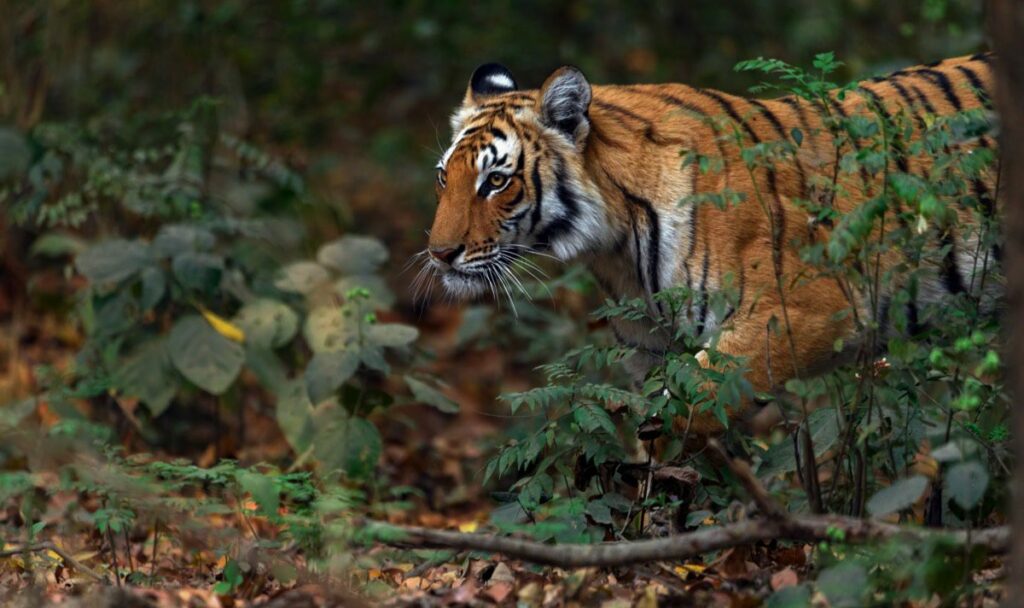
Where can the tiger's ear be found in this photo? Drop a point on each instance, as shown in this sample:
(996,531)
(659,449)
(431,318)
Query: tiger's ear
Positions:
(565,100)
(489,79)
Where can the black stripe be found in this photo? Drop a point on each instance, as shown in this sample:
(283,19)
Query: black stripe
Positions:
(951,278)
(897,141)
(801,115)
(985,58)
(979,87)
(839,109)
(496,132)
(567,197)
(947,87)
(653,240)
(781,131)
(538,193)
(726,105)
(703,283)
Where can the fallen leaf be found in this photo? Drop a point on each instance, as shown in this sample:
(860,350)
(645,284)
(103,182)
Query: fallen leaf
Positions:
(498,591)
(469,526)
(502,574)
(786,577)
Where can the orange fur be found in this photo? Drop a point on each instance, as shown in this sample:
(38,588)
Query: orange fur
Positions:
(626,159)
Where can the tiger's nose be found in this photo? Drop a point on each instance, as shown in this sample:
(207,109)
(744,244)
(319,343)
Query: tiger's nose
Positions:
(446,254)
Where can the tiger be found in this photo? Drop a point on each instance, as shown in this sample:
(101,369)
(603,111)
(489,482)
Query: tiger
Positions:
(596,173)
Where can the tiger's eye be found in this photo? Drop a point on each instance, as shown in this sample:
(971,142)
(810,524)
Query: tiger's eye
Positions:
(497,180)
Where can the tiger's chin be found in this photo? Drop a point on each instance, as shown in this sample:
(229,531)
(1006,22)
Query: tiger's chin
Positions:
(463,285)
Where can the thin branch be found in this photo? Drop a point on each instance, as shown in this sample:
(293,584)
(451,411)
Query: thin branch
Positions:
(810,528)
(768,506)
(64,555)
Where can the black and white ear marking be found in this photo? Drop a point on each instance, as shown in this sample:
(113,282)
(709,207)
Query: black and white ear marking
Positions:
(491,79)
(565,98)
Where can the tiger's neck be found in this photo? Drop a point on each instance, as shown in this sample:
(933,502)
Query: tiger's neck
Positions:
(634,163)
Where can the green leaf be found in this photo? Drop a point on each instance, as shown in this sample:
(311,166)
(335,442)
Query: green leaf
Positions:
(353,255)
(147,374)
(154,285)
(267,368)
(593,417)
(198,271)
(844,585)
(380,295)
(203,356)
(429,395)
(262,488)
(331,328)
(267,323)
(57,244)
(295,415)
(391,334)
(112,261)
(329,370)
(346,443)
(301,277)
(175,239)
(966,483)
(780,457)
(599,512)
(898,496)
(797,596)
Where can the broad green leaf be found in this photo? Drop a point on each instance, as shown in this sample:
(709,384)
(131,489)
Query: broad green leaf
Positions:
(429,395)
(175,239)
(147,374)
(262,488)
(380,295)
(330,328)
(844,584)
(780,458)
(267,368)
(329,370)
(391,334)
(797,596)
(599,512)
(198,271)
(112,261)
(203,356)
(267,323)
(353,255)
(898,496)
(966,483)
(295,415)
(154,285)
(948,452)
(346,443)
(115,313)
(301,277)
(56,244)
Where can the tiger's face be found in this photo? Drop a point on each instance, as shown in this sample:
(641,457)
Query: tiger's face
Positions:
(512,180)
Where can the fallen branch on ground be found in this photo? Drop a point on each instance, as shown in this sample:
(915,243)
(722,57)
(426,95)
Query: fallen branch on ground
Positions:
(817,528)
(64,555)
(776,524)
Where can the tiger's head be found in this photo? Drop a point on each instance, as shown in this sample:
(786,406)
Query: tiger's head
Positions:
(512,181)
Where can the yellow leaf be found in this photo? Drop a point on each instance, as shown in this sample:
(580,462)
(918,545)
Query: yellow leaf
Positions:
(469,526)
(53,555)
(223,327)
(373,574)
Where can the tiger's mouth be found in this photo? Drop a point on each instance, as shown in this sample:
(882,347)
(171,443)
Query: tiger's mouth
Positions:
(496,275)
